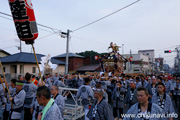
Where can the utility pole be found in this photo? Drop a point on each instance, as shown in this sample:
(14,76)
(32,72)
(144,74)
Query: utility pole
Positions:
(20,47)
(177,59)
(152,65)
(67,52)
(122,49)
(130,62)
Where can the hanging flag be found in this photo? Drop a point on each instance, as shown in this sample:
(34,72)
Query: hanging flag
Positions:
(24,20)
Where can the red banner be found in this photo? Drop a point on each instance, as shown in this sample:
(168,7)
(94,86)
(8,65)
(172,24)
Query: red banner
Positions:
(24,19)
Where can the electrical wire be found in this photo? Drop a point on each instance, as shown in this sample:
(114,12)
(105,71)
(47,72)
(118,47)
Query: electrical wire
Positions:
(46,30)
(9,47)
(166,48)
(5,18)
(53,29)
(38,28)
(71,46)
(99,43)
(5,14)
(46,36)
(106,16)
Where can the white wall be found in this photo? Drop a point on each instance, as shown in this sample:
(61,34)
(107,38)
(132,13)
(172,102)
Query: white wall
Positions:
(149,53)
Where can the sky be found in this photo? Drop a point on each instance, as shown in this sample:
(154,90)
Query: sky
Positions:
(148,24)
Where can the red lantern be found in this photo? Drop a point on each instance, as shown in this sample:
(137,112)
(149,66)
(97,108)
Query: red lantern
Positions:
(24,19)
(96,57)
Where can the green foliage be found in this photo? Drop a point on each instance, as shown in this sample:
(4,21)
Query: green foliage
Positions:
(90,53)
(141,63)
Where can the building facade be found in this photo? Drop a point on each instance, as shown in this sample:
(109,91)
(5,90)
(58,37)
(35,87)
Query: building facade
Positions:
(139,63)
(21,63)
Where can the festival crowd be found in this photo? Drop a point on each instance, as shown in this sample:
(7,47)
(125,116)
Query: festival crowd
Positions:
(104,96)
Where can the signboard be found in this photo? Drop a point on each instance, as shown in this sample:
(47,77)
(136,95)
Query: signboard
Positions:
(24,19)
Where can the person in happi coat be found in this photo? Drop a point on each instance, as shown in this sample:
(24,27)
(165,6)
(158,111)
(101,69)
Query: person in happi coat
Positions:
(51,110)
(80,81)
(100,110)
(92,82)
(118,100)
(59,82)
(55,77)
(144,83)
(48,81)
(143,109)
(36,109)
(163,100)
(12,91)
(159,79)
(103,85)
(21,78)
(131,96)
(18,101)
(168,84)
(72,82)
(152,88)
(138,83)
(124,83)
(2,92)
(30,89)
(58,99)
(105,95)
(110,89)
(85,92)
(176,93)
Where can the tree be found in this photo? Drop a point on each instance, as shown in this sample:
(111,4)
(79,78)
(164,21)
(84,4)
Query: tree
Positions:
(90,53)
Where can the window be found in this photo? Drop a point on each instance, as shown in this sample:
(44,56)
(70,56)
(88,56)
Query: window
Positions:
(147,53)
(4,69)
(21,69)
(34,70)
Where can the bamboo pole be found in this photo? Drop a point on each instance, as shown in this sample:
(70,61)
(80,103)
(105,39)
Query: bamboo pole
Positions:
(37,64)
(6,82)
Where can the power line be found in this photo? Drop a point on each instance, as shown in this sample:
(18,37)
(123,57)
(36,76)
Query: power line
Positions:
(45,30)
(71,45)
(53,29)
(5,14)
(165,48)
(46,36)
(5,18)
(80,38)
(106,16)
(38,28)
(9,46)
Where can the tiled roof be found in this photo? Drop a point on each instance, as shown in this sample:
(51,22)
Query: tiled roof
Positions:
(69,55)
(24,57)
